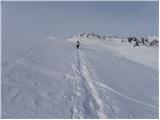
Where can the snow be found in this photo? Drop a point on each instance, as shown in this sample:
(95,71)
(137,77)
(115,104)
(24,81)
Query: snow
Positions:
(151,38)
(33,81)
(46,77)
(140,54)
(143,55)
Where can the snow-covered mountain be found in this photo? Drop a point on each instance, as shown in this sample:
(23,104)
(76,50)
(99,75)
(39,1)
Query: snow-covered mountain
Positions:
(151,38)
(91,36)
(151,41)
(46,77)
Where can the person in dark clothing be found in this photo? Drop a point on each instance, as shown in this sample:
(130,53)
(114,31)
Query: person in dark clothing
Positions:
(77,44)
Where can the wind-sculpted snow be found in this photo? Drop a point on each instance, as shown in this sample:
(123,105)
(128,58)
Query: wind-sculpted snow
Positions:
(45,77)
(33,81)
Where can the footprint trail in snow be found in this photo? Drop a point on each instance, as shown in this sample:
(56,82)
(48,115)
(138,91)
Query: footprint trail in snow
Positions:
(93,99)
(86,101)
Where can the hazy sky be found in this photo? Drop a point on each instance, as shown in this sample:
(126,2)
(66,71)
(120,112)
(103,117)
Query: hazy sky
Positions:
(63,19)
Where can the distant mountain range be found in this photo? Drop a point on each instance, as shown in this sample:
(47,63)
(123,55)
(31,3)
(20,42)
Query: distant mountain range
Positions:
(150,41)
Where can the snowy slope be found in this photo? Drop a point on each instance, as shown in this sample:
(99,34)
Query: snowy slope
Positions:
(33,78)
(147,55)
(45,77)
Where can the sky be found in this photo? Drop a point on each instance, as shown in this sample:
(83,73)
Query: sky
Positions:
(63,19)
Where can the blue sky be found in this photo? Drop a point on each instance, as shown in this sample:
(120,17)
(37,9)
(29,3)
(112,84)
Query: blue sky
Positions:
(63,19)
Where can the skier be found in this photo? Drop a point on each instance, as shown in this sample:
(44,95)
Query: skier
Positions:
(77,44)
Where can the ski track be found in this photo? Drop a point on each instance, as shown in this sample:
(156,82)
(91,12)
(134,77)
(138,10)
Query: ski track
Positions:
(26,53)
(76,111)
(127,97)
(86,102)
(83,79)
(85,73)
